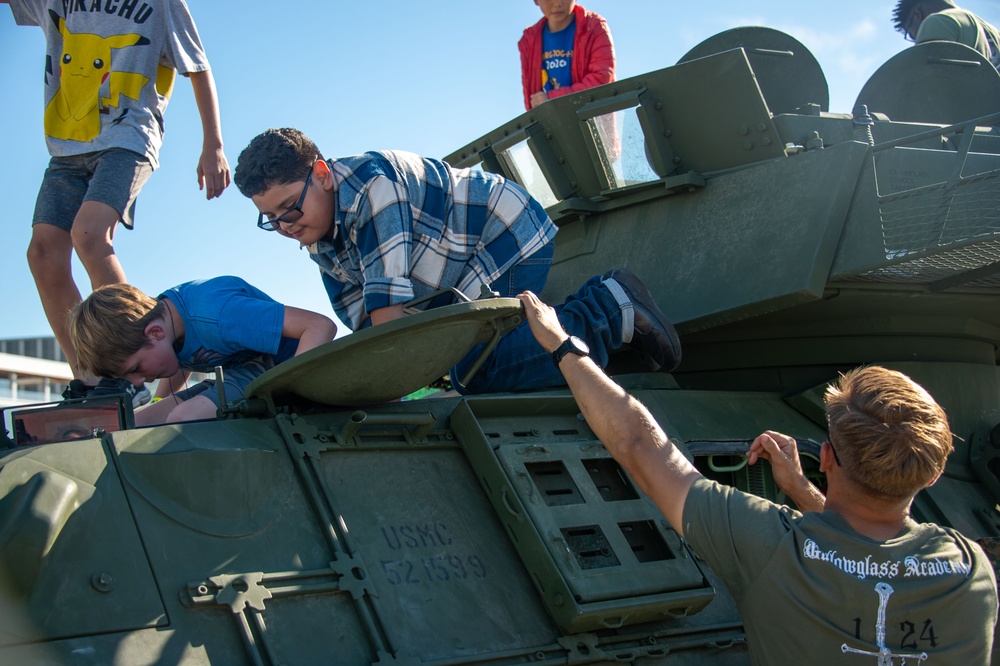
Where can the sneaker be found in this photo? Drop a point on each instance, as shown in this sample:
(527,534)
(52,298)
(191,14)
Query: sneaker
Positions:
(76,390)
(140,394)
(653,336)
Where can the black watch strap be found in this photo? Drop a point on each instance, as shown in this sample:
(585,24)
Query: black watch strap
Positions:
(571,345)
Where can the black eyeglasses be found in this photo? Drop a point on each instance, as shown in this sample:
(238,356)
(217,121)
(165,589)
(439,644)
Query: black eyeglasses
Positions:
(290,215)
(835,456)
(908,35)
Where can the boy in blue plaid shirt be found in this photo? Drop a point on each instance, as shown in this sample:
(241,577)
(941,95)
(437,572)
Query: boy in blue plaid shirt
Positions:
(388,227)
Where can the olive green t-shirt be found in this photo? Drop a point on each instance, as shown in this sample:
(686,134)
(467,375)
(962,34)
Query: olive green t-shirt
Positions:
(813,591)
(959,25)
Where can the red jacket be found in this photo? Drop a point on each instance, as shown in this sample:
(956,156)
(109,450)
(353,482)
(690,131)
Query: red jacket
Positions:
(593,56)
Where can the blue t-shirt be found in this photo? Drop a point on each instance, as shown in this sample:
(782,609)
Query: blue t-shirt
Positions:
(228,322)
(557,57)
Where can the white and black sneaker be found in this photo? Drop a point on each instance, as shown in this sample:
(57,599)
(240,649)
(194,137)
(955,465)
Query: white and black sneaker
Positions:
(140,394)
(649,332)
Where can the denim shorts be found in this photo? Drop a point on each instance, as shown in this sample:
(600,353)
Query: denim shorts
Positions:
(237,379)
(113,177)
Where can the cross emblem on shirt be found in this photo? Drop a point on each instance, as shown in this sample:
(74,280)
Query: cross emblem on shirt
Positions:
(885,656)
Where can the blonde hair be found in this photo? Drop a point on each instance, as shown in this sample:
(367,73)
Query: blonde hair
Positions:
(890,435)
(109,326)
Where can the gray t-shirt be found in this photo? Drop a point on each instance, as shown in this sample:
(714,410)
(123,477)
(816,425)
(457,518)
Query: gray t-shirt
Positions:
(813,591)
(109,70)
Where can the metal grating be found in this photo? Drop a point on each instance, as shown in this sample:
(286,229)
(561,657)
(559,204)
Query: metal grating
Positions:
(939,232)
(940,215)
(941,265)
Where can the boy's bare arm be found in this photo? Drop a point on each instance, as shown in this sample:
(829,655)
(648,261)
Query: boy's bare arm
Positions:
(382,315)
(311,329)
(620,421)
(213,168)
(170,385)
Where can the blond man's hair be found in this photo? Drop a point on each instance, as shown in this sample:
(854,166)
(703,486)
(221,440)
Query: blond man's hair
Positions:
(109,326)
(889,434)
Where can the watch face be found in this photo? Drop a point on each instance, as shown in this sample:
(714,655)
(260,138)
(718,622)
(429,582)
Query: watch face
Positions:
(578,346)
(571,345)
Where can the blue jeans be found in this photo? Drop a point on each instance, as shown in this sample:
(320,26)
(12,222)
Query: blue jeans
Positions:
(519,363)
(528,275)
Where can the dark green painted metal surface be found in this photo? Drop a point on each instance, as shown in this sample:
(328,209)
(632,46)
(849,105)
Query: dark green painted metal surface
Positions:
(319,523)
(373,366)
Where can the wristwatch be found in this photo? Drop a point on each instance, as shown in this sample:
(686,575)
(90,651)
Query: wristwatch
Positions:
(571,345)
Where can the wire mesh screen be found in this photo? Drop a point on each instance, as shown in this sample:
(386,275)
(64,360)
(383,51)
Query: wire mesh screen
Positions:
(941,231)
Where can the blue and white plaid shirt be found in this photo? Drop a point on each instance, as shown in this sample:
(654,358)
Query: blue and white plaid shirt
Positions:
(406,226)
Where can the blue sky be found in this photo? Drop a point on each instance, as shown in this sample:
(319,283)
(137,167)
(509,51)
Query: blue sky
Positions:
(421,76)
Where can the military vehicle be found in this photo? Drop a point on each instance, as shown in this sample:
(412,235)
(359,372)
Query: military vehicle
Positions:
(316,521)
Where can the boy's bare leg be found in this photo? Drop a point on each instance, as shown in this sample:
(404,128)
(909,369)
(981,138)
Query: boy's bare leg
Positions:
(49,254)
(49,257)
(168,410)
(93,233)
(155,413)
(195,409)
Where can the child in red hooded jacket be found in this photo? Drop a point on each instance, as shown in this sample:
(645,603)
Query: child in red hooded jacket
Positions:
(568,50)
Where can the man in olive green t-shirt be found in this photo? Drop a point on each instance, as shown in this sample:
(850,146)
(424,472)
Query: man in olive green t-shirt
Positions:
(942,20)
(854,577)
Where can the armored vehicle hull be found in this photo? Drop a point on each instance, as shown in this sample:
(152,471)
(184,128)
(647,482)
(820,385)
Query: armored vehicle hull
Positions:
(317,522)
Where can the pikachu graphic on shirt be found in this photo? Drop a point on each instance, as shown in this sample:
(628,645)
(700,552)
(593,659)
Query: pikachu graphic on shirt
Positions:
(74,112)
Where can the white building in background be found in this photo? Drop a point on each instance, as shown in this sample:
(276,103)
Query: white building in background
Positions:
(32,370)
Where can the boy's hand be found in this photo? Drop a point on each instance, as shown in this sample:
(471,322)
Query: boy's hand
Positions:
(213,168)
(538,98)
(543,322)
(213,172)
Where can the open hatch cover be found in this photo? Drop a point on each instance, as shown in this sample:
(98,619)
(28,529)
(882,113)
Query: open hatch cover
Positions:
(385,362)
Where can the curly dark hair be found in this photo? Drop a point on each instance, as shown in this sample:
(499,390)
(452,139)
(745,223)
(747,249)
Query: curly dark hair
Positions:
(905,7)
(275,157)
(903,10)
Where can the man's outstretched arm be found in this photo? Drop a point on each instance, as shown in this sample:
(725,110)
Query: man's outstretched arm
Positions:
(621,422)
